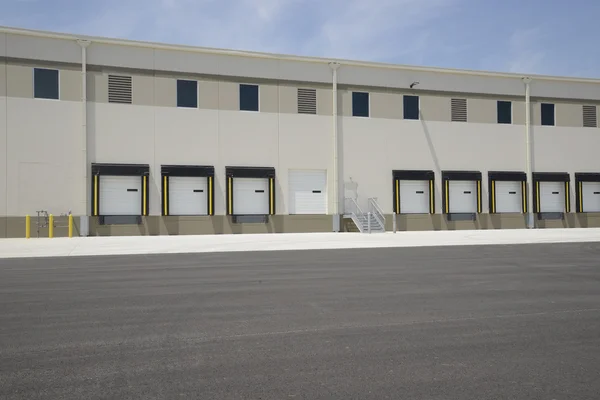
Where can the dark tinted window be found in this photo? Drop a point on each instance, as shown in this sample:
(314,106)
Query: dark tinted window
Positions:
(187,94)
(411,107)
(360,104)
(504,112)
(249,97)
(45,83)
(547,114)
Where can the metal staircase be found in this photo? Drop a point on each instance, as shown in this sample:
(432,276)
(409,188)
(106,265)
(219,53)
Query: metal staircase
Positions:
(372,221)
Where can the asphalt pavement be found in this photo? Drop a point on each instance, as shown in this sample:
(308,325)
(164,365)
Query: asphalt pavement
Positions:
(473,322)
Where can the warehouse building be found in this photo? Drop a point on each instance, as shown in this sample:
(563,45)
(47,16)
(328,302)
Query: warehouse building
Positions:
(137,138)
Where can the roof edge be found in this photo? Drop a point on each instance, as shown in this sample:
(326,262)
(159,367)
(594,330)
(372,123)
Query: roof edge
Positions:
(287,57)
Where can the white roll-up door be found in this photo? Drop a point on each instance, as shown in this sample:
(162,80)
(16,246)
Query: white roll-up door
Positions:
(414,197)
(120,195)
(188,195)
(308,192)
(509,196)
(591,196)
(463,196)
(251,196)
(552,196)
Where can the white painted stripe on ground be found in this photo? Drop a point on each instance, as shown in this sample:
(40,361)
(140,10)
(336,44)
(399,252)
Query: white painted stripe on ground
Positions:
(122,245)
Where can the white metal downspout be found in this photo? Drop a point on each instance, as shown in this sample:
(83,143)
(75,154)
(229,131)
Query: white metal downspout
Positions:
(84,221)
(530,219)
(336,203)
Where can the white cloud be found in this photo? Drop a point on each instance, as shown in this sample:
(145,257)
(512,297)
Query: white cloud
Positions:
(377,30)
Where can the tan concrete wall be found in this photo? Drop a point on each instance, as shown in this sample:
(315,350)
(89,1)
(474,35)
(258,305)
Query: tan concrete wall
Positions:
(569,115)
(268,96)
(14,227)
(439,146)
(43,157)
(3,157)
(157,225)
(19,81)
(2,78)
(482,111)
(208,95)
(435,108)
(229,96)
(142,90)
(386,105)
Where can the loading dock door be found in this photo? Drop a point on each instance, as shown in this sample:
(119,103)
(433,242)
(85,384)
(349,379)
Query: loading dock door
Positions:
(414,197)
(463,196)
(251,196)
(188,195)
(509,196)
(552,197)
(120,195)
(591,196)
(308,192)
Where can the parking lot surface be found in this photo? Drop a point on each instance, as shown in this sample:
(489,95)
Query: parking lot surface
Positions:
(474,322)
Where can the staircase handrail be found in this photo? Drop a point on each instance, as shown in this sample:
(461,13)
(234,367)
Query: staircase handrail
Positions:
(353,209)
(377,211)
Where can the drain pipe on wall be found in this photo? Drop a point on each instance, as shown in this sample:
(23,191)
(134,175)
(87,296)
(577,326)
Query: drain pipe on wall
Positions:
(530,219)
(336,181)
(84,220)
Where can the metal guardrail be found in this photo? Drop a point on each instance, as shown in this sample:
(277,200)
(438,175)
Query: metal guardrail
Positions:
(45,220)
(377,211)
(353,210)
(362,219)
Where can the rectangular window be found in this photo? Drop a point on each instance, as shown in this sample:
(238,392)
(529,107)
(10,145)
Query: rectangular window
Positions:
(548,114)
(248,97)
(45,83)
(360,104)
(187,93)
(504,112)
(411,107)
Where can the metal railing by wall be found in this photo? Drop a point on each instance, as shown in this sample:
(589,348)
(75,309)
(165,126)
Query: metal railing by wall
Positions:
(45,220)
(371,221)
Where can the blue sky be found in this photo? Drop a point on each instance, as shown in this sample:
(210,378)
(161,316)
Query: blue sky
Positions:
(556,37)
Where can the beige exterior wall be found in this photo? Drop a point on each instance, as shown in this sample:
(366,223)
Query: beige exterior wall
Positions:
(19,81)
(435,108)
(4,193)
(208,94)
(41,145)
(519,111)
(437,146)
(482,111)
(569,115)
(142,90)
(150,89)
(2,78)
(43,156)
(160,136)
(386,105)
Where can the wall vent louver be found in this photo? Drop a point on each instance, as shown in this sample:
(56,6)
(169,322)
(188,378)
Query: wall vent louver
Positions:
(307,101)
(119,89)
(589,117)
(459,110)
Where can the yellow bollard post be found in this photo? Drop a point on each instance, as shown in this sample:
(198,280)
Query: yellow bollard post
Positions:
(51,226)
(27,227)
(70,225)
